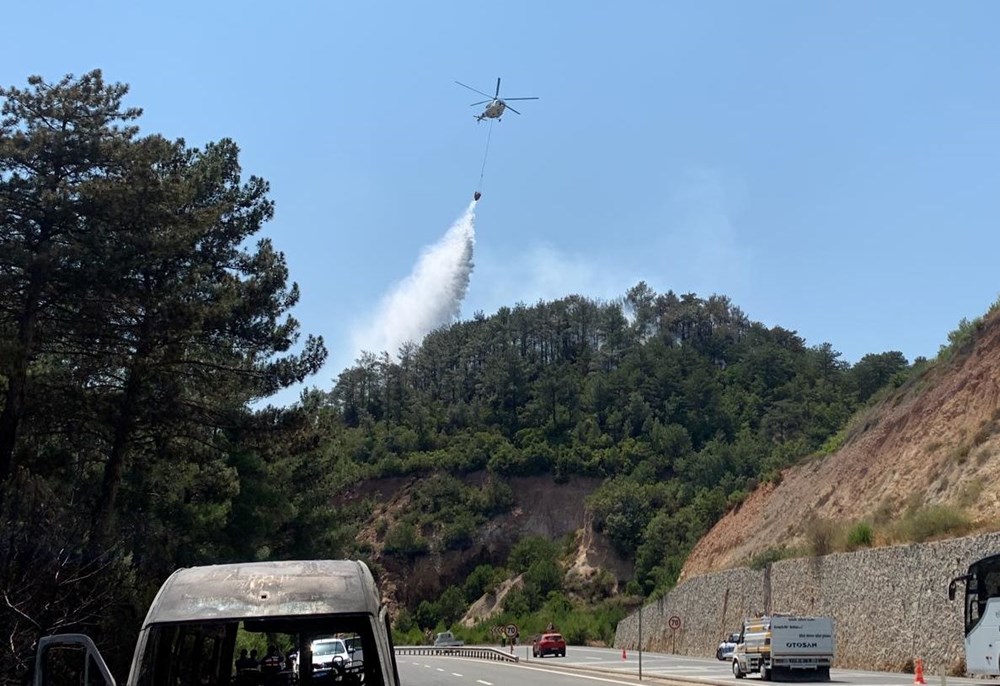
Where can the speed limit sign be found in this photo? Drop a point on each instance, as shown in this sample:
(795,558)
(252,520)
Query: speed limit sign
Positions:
(674,622)
(511,630)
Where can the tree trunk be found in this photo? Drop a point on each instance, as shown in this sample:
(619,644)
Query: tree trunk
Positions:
(124,424)
(17,375)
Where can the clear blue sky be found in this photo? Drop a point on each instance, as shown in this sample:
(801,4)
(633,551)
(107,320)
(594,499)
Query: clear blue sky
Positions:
(830,166)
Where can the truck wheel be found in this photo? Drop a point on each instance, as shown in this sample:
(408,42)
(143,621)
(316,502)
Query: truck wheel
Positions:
(765,673)
(824,673)
(737,672)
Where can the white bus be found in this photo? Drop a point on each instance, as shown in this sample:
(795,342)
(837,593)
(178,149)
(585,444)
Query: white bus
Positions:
(982,615)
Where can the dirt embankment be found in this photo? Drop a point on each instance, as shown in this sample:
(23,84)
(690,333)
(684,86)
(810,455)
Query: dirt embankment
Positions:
(541,507)
(934,441)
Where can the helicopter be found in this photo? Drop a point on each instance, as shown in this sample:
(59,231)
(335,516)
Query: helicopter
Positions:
(496,106)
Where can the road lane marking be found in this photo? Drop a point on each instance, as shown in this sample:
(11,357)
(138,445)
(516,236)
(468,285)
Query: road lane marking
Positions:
(574,674)
(439,669)
(455,674)
(594,658)
(577,675)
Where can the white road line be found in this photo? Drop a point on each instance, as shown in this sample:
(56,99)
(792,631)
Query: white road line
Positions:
(485,683)
(455,674)
(601,659)
(439,669)
(572,674)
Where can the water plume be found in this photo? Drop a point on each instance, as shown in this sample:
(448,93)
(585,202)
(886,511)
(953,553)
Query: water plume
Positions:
(430,297)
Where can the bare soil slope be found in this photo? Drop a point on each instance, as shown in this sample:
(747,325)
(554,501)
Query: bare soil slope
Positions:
(542,507)
(933,441)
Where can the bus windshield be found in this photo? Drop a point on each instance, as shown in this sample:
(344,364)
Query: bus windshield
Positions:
(982,584)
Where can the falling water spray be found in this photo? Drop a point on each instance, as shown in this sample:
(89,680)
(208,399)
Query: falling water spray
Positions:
(431,296)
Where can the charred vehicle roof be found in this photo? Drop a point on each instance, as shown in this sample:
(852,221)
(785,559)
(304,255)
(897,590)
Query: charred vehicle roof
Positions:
(265,589)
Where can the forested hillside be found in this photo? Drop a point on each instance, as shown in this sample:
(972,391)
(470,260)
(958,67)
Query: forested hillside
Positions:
(142,320)
(681,404)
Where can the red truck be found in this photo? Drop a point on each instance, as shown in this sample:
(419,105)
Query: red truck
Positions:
(548,644)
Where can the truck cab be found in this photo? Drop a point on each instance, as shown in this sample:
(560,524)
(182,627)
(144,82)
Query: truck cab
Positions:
(251,624)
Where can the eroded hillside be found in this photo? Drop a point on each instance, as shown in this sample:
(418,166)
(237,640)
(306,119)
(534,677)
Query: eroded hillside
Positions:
(932,441)
(541,507)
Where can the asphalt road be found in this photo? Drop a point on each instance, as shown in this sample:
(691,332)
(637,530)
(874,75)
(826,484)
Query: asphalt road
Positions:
(593,666)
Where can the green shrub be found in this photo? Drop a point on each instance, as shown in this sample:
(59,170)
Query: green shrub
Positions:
(735,499)
(495,497)
(403,541)
(483,579)
(834,443)
(861,535)
(579,629)
(822,535)
(961,339)
(516,602)
(925,523)
(411,637)
(451,605)
(459,534)
(427,615)
(761,560)
(529,550)
(404,621)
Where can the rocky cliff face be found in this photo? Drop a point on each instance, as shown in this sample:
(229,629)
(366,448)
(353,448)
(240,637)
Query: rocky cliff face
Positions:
(934,441)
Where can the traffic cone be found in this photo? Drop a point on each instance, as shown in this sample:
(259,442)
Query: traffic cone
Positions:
(918,676)
(623,653)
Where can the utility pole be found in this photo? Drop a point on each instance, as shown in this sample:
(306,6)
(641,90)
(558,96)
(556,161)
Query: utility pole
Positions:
(640,638)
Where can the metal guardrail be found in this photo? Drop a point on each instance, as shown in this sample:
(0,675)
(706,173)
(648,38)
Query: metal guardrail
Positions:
(459,651)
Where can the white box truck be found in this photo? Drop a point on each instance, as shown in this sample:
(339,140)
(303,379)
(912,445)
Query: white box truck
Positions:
(778,645)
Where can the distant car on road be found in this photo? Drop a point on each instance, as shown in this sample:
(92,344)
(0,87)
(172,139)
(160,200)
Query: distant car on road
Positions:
(548,644)
(446,639)
(725,650)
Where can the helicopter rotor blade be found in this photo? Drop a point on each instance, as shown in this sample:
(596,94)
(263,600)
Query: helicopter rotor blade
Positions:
(506,99)
(475,90)
(481,102)
(498,89)
(511,108)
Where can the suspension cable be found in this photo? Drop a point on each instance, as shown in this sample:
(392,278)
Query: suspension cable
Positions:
(482,171)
